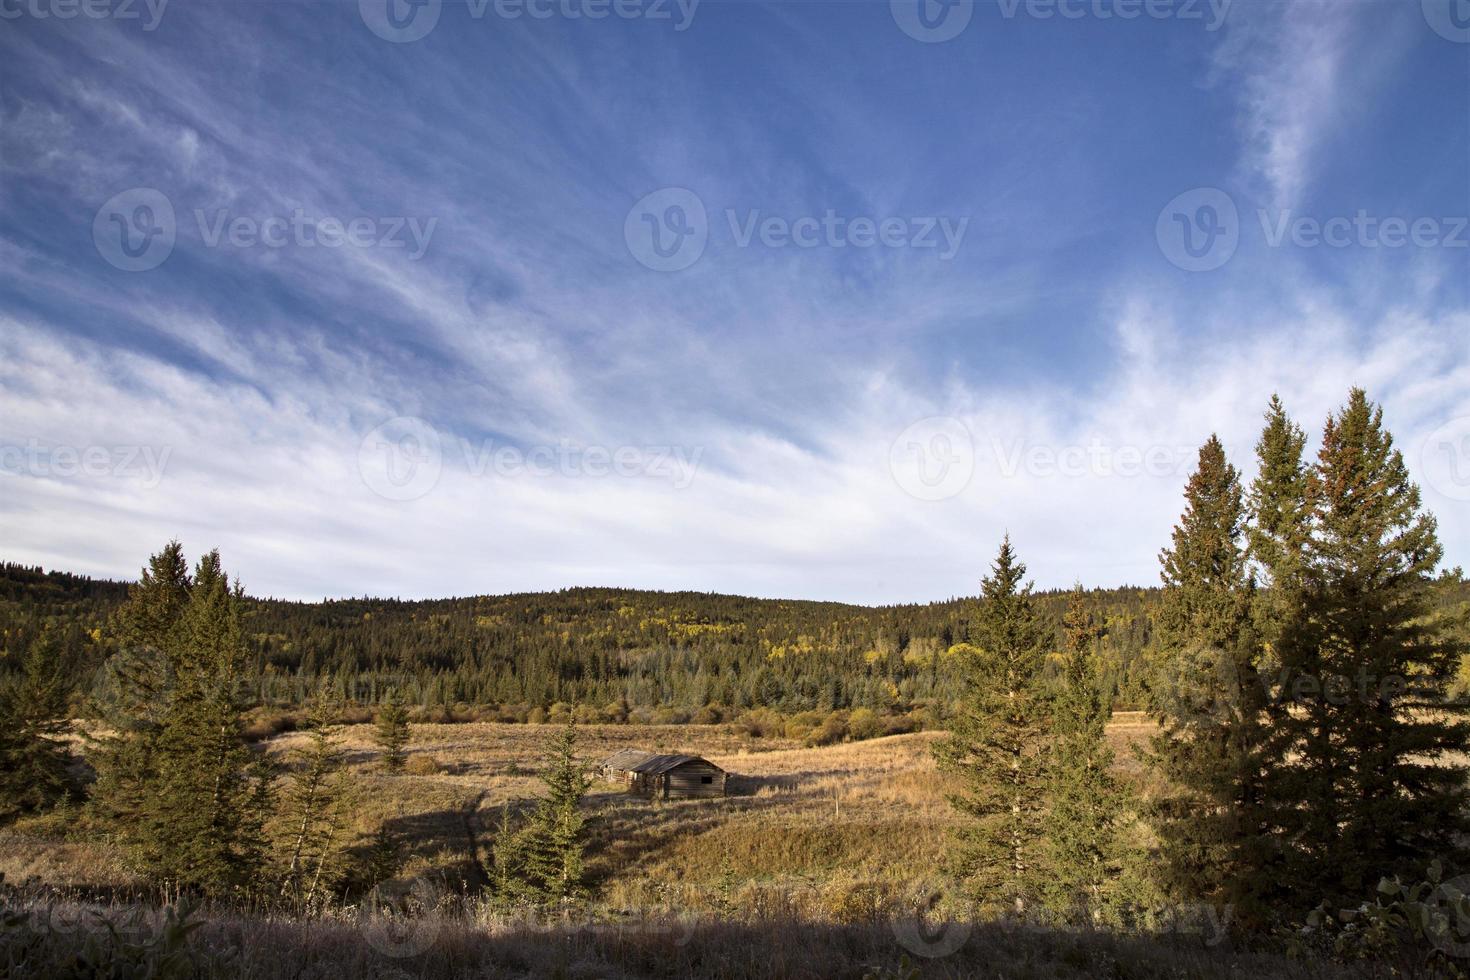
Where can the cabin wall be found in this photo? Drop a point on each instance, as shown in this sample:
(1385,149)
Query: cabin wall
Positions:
(692,780)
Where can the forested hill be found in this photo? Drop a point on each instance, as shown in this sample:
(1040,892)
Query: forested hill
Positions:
(617,650)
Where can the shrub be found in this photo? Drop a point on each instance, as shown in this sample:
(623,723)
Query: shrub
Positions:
(832,730)
(268,724)
(761,723)
(536,716)
(863,723)
(801,725)
(710,714)
(424,765)
(1424,919)
(513,713)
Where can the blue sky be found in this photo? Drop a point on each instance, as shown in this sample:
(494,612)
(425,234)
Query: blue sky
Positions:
(385,315)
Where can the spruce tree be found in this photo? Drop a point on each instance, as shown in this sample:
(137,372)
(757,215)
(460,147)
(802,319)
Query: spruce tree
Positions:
(34,763)
(1085,796)
(1280,533)
(314,807)
(552,846)
(203,826)
(1371,723)
(138,682)
(1211,822)
(995,743)
(1280,529)
(509,879)
(392,732)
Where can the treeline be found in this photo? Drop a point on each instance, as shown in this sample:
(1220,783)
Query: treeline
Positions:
(618,655)
(1311,753)
(626,655)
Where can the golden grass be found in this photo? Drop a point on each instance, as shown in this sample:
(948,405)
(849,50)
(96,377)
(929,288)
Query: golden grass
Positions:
(861,810)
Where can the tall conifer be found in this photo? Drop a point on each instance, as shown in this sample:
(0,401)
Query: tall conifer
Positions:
(1211,820)
(34,763)
(995,744)
(551,848)
(1371,721)
(1085,796)
(138,682)
(203,824)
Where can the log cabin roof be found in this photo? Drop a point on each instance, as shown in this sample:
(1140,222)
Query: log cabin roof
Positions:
(627,759)
(655,765)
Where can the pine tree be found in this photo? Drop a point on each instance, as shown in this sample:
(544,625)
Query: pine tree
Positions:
(551,848)
(382,859)
(139,679)
(34,765)
(392,733)
(1371,723)
(509,878)
(1280,530)
(1211,823)
(313,805)
(1280,534)
(204,825)
(1085,796)
(995,744)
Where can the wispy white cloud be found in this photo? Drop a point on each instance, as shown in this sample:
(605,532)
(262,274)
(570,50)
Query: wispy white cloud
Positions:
(1303,69)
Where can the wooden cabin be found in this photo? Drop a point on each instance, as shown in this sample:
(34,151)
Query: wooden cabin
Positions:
(665,777)
(618,767)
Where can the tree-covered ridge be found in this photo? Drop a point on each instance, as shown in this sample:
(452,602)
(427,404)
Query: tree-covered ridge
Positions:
(588,645)
(604,646)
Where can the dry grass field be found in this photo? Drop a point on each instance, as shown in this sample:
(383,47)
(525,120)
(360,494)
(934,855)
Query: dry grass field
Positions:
(802,871)
(795,816)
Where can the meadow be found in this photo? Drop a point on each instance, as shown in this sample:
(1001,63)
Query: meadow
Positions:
(821,861)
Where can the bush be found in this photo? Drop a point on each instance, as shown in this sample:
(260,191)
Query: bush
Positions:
(863,723)
(710,714)
(515,714)
(536,716)
(802,725)
(832,730)
(1424,919)
(423,765)
(899,724)
(761,723)
(268,724)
